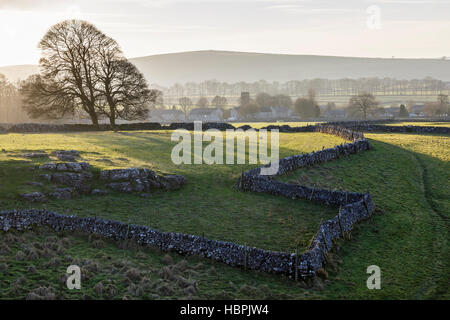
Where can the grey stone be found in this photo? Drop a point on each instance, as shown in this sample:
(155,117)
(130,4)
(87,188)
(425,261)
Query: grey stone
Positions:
(34,197)
(74,167)
(61,167)
(120,186)
(140,180)
(78,181)
(62,193)
(48,166)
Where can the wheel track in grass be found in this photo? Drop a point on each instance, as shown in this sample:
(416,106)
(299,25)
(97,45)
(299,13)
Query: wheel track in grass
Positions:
(440,258)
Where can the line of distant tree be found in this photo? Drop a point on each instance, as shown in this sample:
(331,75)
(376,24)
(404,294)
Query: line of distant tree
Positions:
(10,102)
(296,88)
(360,106)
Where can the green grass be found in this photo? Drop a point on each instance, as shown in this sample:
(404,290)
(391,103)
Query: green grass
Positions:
(408,177)
(208,205)
(407,174)
(39,258)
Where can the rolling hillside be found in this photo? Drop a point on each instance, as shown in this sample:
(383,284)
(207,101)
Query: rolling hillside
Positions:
(196,66)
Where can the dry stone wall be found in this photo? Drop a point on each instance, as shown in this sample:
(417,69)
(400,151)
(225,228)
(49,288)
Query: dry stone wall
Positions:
(48,128)
(376,126)
(354,207)
(371,125)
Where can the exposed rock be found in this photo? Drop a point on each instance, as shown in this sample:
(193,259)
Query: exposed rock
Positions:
(48,166)
(34,197)
(74,167)
(62,193)
(120,186)
(66,166)
(66,155)
(61,167)
(140,180)
(78,181)
(85,166)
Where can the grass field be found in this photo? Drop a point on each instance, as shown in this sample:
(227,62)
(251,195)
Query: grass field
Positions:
(208,205)
(407,175)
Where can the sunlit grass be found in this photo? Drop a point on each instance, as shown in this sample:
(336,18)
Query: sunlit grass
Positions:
(407,175)
(208,205)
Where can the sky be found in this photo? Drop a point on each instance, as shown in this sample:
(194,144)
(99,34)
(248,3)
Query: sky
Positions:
(361,28)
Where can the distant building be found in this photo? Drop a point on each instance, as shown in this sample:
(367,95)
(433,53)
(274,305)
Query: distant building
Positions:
(206,114)
(265,113)
(335,113)
(416,111)
(162,115)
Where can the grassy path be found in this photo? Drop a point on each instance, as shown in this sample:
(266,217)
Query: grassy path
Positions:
(407,175)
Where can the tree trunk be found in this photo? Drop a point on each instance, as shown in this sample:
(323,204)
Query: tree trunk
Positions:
(94,119)
(112,122)
(112,117)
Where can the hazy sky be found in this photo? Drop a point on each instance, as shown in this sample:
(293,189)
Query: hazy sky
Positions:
(371,28)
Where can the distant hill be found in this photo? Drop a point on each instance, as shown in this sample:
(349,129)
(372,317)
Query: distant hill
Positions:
(196,66)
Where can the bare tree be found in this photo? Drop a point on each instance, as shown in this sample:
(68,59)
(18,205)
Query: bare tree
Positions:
(185,105)
(202,102)
(69,64)
(264,100)
(10,102)
(248,109)
(307,107)
(282,100)
(219,102)
(444,104)
(125,93)
(48,99)
(84,70)
(363,102)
